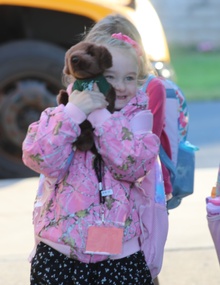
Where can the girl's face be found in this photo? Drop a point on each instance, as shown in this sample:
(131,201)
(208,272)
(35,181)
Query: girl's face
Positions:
(123,75)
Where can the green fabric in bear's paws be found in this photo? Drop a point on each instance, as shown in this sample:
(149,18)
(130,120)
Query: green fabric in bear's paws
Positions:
(87,84)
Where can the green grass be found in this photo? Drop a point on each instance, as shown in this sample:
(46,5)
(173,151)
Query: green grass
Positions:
(197,73)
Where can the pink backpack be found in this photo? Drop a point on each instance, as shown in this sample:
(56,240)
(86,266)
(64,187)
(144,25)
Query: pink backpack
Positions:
(153,218)
(182,164)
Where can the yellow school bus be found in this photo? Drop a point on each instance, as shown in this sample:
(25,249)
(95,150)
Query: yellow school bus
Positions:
(34,35)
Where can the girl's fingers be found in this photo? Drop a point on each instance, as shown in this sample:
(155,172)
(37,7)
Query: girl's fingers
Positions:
(95,87)
(88,101)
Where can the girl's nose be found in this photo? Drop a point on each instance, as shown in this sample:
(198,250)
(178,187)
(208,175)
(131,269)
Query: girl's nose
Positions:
(119,85)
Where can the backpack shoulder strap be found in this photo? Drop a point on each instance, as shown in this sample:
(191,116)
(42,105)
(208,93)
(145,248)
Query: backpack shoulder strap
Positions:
(167,162)
(146,83)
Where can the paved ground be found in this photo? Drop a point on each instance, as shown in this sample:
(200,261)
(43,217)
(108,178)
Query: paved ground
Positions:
(190,258)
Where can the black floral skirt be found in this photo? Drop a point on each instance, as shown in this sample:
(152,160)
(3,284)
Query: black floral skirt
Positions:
(49,267)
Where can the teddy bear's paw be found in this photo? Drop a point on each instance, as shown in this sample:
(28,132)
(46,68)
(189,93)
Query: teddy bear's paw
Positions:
(62,97)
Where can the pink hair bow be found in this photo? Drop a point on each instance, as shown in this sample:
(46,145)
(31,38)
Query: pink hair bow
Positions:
(127,39)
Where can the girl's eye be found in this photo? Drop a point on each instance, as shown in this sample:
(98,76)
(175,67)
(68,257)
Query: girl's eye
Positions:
(130,78)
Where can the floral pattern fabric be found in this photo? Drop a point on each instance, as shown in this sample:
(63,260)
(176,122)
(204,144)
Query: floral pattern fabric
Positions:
(68,198)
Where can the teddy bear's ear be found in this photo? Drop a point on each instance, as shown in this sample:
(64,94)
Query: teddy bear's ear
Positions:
(91,49)
(105,58)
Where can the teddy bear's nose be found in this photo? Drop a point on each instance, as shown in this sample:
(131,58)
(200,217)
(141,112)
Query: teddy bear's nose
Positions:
(75,59)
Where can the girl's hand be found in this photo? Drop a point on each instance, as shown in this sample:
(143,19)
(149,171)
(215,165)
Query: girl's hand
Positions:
(88,101)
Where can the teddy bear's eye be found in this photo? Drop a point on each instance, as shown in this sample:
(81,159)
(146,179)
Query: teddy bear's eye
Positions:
(75,59)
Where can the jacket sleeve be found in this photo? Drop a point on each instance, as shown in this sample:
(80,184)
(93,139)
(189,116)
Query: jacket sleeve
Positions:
(48,145)
(128,150)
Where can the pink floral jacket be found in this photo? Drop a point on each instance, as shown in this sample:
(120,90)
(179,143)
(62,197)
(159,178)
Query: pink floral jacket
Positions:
(67,202)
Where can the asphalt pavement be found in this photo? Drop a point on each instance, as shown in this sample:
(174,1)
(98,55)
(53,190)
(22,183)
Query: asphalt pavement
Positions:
(189,258)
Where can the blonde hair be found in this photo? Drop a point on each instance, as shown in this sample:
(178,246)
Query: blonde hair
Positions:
(116,23)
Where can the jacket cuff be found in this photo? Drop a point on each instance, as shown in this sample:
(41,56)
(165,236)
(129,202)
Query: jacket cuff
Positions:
(75,113)
(69,88)
(142,122)
(98,117)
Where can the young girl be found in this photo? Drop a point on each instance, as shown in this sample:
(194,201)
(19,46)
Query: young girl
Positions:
(86,222)
(117,23)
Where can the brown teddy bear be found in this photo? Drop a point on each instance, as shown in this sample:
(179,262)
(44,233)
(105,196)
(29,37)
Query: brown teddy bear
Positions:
(86,62)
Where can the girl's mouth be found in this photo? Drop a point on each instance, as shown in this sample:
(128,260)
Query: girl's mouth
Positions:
(121,97)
